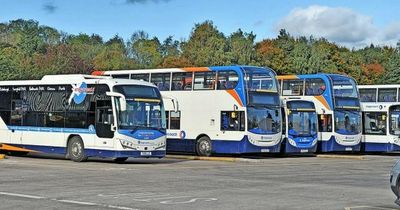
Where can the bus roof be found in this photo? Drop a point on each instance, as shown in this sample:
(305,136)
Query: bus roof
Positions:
(74,78)
(379,86)
(185,69)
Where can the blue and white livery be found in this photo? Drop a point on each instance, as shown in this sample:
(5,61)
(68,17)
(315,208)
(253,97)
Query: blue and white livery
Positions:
(337,104)
(380,107)
(222,109)
(300,134)
(82,116)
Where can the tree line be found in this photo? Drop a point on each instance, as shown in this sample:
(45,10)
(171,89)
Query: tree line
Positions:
(29,50)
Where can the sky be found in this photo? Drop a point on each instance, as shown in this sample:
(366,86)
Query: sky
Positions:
(351,23)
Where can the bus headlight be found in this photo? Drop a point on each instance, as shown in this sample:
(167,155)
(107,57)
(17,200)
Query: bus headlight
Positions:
(314,141)
(126,144)
(292,142)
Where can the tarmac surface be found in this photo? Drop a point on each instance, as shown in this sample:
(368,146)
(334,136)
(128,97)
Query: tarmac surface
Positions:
(182,182)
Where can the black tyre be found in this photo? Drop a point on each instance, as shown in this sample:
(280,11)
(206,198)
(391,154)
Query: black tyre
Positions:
(120,159)
(203,146)
(76,149)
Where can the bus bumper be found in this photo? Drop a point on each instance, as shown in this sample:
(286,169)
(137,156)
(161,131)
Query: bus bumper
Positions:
(119,154)
(333,146)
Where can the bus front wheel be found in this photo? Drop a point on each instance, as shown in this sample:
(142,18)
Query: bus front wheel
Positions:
(76,149)
(203,146)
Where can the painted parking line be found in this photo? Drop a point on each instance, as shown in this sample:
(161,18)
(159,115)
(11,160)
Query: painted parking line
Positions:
(369,208)
(21,195)
(81,203)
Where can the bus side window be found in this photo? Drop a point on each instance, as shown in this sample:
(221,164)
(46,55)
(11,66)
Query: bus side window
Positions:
(314,87)
(227,80)
(161,80)
(325,122)
(181,81)
(232,121)
(204,81)
(143,77)
(175,120)
(293,87)
(5,105)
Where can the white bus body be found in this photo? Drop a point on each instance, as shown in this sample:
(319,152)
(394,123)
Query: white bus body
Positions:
(227,109)
(82,116)
(381,117)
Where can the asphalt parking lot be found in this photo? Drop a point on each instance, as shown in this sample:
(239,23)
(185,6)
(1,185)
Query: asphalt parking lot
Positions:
(38,182)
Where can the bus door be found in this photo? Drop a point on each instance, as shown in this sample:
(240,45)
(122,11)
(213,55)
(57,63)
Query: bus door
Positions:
(324,126)
(104,121)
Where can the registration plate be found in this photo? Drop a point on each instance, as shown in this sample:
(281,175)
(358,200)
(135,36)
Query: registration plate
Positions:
(264,150)
(349,149)
(304,150)
(145,153)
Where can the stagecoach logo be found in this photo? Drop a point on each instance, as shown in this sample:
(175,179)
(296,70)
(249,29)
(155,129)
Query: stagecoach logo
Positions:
(182,134)
(79,92)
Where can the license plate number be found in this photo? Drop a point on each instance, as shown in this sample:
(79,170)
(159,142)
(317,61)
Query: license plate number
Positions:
(264,150)
(145,153)
(349,149)
(304,150)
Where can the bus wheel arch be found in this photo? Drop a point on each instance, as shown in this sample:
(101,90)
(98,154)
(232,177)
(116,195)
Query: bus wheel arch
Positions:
(76,149)
(203,145)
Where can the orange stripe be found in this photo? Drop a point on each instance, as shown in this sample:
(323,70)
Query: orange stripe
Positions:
(234,94)
(287,77)
(98,73)
(12,148)
(194,69)
(323,101)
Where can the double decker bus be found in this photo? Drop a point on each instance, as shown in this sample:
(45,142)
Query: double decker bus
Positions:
(82,116)
(337,104)
(222,109)
(300,130)
(380,105)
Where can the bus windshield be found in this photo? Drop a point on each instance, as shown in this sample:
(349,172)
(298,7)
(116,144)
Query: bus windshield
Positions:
(144,108)
(344,86)
(347,122)
(302,123)
(263,120)
(260,79)
(141,115)
(395,121)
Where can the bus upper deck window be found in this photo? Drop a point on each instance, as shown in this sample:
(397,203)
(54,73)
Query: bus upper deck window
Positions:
(227,80)
(293,87)
(314,87)
(181,81)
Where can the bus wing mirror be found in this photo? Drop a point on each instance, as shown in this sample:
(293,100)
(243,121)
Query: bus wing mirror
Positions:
(122,100)
(174,102)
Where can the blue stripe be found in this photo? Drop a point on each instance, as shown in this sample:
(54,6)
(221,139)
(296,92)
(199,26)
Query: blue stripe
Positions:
(220,146)
(52,130)
(379,147)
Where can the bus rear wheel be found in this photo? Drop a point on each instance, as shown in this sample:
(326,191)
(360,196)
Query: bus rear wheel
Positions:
(76,149)
(203,146)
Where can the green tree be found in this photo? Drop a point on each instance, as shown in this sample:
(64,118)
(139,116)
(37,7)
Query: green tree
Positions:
(206,46)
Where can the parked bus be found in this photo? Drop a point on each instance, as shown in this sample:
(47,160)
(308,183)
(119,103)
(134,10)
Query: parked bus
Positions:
(82,116)
(300,130)
(337,104)
(380,105)
(222,109)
